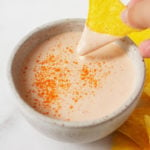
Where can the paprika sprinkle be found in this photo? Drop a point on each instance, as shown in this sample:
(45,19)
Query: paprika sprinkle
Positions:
(57,83)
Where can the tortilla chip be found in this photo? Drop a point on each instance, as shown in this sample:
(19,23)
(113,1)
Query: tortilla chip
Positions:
(140,36)
(122,142)
(147,81)
(144,101)
(147,123)
(135,128)
(104,17)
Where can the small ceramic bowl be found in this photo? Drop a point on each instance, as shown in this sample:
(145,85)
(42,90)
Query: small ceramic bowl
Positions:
(77,132)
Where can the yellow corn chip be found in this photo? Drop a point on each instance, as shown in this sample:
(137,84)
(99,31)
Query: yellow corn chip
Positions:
(104,16)
(147,123)
(145,97)
(122,142)
(135,128)
(138,37)
(147,81)
(144,101)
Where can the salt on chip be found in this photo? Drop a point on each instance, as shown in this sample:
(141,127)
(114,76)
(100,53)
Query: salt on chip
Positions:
(122,142)
(135,129)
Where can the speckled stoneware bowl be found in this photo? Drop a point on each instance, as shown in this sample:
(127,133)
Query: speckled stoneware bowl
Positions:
(76,132)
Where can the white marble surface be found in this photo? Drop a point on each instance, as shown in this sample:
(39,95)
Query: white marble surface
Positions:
(17,134)
(17,18)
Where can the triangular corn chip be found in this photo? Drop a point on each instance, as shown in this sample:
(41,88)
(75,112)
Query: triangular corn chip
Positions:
(104,16)
(122,142)
(147,123)
(135,128)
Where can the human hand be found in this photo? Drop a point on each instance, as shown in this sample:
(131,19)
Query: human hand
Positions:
(137,15)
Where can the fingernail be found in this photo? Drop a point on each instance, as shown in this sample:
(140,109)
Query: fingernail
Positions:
(124,16)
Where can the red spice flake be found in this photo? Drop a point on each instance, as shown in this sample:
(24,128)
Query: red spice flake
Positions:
(26,96)
(77,92)
(37,60)
(51,58)
(25,67)
(84,84)
(56,111)
(66,61)
(36,99)
(44,68)
(55,78)
(45,105)
(47,101)
(69,49)
(75,100)
(84,71)
(57,69)
(65,84)
(46,113)
(32,91)
(39,56)
(71,107)
(75,62)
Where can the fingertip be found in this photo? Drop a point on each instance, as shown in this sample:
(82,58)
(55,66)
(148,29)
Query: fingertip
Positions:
(145,49)
(132,3)
(128,20)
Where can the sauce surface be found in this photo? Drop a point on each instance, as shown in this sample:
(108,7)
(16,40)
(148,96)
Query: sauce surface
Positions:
(60,84)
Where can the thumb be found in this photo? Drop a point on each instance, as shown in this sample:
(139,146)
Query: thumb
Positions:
(137,14)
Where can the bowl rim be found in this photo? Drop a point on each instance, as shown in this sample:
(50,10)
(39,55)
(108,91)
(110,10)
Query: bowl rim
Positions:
(71,124)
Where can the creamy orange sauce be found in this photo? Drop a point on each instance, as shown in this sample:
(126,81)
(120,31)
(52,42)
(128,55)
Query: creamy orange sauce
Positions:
(60,84)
